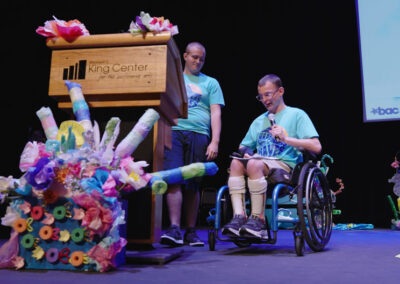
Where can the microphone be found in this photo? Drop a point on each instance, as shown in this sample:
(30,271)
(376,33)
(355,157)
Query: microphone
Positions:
(271,118)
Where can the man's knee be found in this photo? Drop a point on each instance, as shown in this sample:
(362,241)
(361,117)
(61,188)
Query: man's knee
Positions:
(237,168)
(255,163)
(255,166)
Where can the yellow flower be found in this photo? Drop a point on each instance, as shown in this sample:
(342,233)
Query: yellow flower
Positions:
(134,176)
(62,174)
(64,236)
(38,253)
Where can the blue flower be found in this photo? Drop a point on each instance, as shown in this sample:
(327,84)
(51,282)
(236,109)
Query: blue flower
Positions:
(41,175)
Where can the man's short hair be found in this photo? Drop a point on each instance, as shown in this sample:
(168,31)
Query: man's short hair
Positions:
(195,44)
(274,79)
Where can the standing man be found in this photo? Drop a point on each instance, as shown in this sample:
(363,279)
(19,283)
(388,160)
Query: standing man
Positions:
(278,142)
(192,142)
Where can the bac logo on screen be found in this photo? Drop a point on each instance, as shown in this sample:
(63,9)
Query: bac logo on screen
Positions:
(76,71)
(385,111)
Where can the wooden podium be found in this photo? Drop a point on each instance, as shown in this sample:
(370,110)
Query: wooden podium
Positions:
(126,71)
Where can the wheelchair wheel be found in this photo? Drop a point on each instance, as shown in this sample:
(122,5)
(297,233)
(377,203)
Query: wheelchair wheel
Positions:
(211,240)
(242,243)
(314,207)
(299,245)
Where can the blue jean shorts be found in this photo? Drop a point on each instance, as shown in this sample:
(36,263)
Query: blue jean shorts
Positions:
(187,147)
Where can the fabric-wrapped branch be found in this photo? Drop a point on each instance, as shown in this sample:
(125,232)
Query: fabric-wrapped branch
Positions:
(138,133)
(160,180)
(48,123)
(79,105)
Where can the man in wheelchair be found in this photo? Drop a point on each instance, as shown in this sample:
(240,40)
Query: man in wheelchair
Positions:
(278,136)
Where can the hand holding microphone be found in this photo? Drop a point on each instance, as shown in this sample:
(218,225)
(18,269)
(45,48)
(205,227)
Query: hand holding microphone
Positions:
(271,118)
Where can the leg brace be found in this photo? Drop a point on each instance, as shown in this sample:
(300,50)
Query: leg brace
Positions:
(237,190)
(258,188)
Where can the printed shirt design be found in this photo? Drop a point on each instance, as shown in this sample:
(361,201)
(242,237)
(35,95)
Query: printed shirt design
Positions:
(268,146)
(202,91)
(194,95)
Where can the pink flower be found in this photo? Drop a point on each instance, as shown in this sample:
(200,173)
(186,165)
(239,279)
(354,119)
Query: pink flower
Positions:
(25,207)
(98,219)
(49,219)
(106,257)
(102,256)
(32,152)
(78,214)
(132,173)
(146,23)
(69,31)
(74,169)
(42,150)
(19,262)
(160,25)
(109,187)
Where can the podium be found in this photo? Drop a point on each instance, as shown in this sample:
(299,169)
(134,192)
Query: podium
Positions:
(126,71)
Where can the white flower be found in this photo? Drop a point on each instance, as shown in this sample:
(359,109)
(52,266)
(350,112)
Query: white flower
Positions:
(133,28)
(10,217)
(133,179)
(29,156)
(6,183)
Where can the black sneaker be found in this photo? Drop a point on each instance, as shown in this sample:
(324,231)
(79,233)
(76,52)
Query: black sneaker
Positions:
(192,239)
(232,228)
(254,228)
(172,237)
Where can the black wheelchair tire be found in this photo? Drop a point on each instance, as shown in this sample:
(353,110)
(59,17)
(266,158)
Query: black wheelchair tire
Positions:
(299,245)
(211,240)
(315,232)
(242,243)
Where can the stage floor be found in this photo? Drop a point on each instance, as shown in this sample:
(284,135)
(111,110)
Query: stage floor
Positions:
(359,256)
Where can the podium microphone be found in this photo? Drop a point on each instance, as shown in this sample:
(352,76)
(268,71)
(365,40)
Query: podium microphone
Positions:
(271,118)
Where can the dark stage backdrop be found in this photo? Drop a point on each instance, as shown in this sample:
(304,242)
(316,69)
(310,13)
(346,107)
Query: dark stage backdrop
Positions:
(311,45)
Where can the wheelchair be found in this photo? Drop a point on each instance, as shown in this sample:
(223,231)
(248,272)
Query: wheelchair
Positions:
(308,191)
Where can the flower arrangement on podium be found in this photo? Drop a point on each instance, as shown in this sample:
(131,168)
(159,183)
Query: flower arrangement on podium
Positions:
(146,23)
(71,30)
(68,30)
(65,210)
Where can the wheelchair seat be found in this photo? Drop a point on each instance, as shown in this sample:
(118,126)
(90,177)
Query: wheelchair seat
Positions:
(280,176)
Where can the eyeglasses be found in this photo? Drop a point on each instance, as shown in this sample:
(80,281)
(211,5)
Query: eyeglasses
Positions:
(267,95)
(197,57)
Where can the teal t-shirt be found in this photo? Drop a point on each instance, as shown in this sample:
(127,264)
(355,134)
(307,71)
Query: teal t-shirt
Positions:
(202,92)
(295,122)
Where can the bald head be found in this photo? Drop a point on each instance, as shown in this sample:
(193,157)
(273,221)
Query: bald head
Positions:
(195,45)
(194,57)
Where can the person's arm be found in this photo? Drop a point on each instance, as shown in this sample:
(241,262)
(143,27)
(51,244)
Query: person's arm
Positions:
(212,149)
(309,144)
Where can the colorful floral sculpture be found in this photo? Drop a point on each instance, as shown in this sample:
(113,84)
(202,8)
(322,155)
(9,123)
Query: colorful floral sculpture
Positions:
(65,211)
